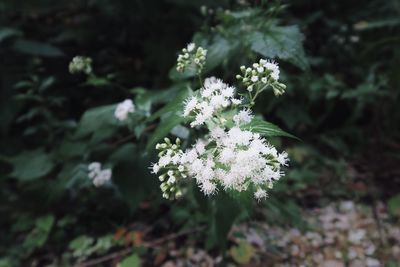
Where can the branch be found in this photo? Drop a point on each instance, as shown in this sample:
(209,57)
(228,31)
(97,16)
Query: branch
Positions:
(126,251)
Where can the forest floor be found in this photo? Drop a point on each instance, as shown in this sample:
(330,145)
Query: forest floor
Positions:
(338,235)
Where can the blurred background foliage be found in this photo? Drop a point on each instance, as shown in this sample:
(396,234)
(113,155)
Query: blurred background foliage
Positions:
(339,60)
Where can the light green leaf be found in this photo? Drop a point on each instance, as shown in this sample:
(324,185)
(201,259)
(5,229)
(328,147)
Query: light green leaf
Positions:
(266,128)
(242,253)
(30,165)
(131,261)
(37,48)
(280,42)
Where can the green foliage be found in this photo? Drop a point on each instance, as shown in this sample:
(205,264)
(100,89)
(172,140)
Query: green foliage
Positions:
(266,128)
(280,42)
(394,205)
(242,253)
(31,165)
(131,261)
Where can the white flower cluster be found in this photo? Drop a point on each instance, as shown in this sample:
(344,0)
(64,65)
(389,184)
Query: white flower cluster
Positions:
(99,176)
(214,97)
(80,64)
(261,75)
(233,159)
(123,109)
(228,157)
(192,57)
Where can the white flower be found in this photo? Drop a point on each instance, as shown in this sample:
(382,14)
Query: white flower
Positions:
(227,157)
(123,109)
(156,168)
(254,78)
(190,105)
(94,167)
(228,92)
(208,187)
(260,194)
(274,68)
(99,177)
(236,101)
(283,158)
(244,116)
(190,47)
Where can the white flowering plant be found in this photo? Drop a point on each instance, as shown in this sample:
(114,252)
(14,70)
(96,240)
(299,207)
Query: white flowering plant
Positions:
(231,153)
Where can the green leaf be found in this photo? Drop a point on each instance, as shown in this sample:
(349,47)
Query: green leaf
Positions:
(266,128)
(217,52)
(145,98)
(37,48)
(131,174)
(30,165)
(97,81)
(242,253)
(39,235)
(280,42)
(45,223)
(7,32)
(394,205)
(131,261)
(163,129)
(99,121)
(174,106)
(227,210)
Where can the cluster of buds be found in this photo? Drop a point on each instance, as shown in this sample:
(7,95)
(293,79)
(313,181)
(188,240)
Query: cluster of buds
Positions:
(80,64)
(260,76)
(192,57)
(171,172)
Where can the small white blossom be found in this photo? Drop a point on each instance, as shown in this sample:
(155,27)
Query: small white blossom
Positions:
(244,116)
(190,47)
(156,168)
(254,78)
(123,109)
(98,176)
(260,194)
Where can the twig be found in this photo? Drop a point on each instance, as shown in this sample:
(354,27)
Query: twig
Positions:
(126,251)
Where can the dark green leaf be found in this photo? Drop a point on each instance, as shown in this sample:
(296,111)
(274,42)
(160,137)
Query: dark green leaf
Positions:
(174,106)
(99,121)
(280,42)
(266,128)
(31,165)
(163,129)
(8,32)
(37,48)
